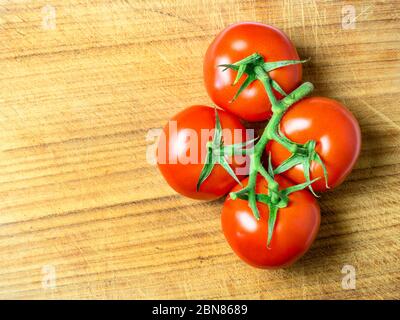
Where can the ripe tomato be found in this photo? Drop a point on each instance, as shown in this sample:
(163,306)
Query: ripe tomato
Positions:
(235,43)
(181,152)
(335,131)
(295,229)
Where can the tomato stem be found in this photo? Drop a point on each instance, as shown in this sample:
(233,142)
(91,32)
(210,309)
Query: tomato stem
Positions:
(257,69)
(270,132)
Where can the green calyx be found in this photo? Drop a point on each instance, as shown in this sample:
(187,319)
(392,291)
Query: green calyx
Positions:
(256,68)
(249,66)
(217,153)
(304,155)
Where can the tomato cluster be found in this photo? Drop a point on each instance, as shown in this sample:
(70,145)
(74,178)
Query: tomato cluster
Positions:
(252,72)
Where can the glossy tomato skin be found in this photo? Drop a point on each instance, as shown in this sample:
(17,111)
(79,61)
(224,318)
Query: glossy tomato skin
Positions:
(235,43)
(181,157)
(336,132)
(295,229)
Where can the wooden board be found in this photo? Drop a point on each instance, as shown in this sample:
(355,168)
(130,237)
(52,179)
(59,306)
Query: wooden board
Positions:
(84,215)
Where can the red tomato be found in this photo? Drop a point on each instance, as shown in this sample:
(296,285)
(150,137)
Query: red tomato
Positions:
(235,43)
(295,229)
(181,155)
(335,131)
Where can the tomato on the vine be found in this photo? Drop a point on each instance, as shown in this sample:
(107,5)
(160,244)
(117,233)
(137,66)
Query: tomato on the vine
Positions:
(235,43)
(252,71)
(295,229)
(337,135)
(181,152)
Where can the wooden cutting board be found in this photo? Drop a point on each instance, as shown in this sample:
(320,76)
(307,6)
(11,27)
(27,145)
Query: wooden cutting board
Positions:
(82,212)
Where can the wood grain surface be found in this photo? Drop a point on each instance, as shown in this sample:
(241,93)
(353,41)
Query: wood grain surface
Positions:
(81,84)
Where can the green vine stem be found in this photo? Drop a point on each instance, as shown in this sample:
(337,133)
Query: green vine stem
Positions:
(256,69)
(271,132)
